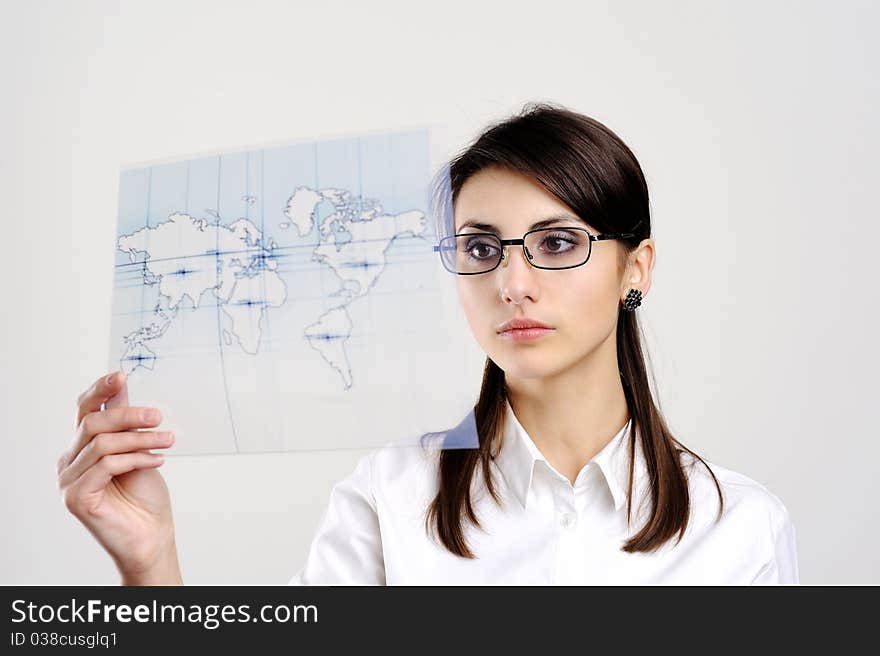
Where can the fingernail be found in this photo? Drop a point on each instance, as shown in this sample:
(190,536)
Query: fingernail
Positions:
(111,378)
(151,415)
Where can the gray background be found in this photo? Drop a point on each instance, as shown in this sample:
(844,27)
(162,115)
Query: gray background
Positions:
(755,122)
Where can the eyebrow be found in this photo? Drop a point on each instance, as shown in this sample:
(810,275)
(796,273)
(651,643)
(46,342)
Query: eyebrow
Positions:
(543,223)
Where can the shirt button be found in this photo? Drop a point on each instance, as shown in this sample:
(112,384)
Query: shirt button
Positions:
(568,520)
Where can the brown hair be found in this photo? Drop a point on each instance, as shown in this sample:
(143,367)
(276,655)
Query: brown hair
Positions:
(589,168)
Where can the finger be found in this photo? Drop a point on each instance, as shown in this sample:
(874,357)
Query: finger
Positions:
(115,420)
(99,475)
(101,390)
(110,444)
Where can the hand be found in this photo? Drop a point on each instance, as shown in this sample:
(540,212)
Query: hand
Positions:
(109,481)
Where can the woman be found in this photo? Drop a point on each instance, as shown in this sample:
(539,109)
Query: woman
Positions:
(577,479)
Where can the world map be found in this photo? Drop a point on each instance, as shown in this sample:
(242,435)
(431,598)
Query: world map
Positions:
(188,257)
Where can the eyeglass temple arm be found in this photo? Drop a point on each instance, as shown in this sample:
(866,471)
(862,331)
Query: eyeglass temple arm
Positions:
(616,235)
(611,235)
(504,242)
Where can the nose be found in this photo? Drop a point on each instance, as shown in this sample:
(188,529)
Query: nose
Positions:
(516,277)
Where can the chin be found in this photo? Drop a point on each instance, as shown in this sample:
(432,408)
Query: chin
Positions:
(525,365)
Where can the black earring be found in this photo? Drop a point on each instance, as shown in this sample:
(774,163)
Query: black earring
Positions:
(632,300)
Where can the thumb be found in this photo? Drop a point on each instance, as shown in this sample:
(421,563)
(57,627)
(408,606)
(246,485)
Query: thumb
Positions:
(120,399)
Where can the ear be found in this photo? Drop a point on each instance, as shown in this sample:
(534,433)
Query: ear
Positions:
(639,269)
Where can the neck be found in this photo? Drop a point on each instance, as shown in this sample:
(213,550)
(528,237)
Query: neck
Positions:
(574,414)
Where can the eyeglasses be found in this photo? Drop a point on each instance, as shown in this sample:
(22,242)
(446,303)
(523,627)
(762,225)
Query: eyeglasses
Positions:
(545,248)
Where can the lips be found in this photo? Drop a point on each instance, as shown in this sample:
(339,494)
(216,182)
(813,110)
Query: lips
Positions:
(522,324)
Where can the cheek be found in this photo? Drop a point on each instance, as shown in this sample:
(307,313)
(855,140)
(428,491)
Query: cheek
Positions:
(474,303)
(592,304)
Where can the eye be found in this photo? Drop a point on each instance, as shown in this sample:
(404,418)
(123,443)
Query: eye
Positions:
(559,242)
(480,249)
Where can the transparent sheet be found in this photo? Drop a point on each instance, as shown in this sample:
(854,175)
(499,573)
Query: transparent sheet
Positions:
(288,298)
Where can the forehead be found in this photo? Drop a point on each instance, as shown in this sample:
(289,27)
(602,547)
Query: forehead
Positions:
(509,200)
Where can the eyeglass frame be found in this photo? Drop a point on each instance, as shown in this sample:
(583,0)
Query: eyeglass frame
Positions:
(522,242)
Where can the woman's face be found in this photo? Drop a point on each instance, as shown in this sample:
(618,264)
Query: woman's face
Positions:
(580,305)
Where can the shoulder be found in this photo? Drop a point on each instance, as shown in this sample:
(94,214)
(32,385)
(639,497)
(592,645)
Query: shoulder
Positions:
(745,499)
(755,527)
(394,473)
(411,467)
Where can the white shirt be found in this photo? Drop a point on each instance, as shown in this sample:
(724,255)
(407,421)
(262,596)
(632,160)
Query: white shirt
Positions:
(547,531)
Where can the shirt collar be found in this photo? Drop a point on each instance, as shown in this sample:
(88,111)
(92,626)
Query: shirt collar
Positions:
(519,454)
